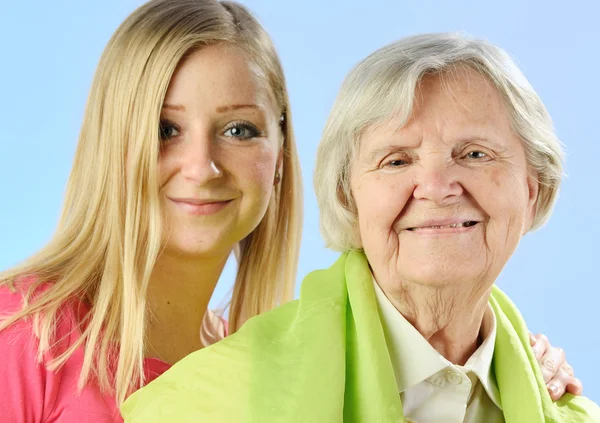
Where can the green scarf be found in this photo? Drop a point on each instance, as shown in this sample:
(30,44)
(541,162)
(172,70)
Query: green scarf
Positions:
(324,359)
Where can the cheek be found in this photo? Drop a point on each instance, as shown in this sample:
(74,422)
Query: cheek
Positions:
(501,192)
(380,200)
(495,177)
(257,170)
(166,168)
(172,158)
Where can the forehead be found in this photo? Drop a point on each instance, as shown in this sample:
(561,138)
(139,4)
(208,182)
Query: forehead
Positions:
(218,73)
(456,103)
(460,91)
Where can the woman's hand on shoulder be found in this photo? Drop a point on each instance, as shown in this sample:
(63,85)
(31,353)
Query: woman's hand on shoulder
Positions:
(558,374)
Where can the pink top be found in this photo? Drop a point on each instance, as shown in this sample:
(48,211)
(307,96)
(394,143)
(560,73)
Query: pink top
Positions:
(29,393)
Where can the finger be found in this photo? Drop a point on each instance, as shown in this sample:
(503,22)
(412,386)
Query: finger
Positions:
(568,369)
(560,384)
(575,387)
(551,363)
(541,345)
(556,389)
(532,339)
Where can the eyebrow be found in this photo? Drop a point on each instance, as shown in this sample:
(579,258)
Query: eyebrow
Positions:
(384,151)
(392,148)
(177,107)
(224,109)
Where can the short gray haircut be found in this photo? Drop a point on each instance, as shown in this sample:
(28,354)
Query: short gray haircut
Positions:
(383,85)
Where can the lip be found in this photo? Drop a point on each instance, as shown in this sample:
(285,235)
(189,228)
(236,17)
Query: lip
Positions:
(443,226)
(200,207)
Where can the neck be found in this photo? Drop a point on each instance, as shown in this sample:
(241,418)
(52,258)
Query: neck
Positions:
(178,295)
(448,317)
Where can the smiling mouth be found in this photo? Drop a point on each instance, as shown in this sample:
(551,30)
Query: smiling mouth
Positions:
(200,208)
(466,224)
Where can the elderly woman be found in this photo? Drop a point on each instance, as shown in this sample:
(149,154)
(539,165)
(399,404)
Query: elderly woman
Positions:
(437,158)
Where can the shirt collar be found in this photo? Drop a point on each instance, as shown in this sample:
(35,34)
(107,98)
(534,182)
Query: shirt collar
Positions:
(480,362)
(415,360)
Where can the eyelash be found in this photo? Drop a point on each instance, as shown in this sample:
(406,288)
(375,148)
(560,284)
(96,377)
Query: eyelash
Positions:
(244,124)
(389,163)
(166,124)
(466,156)
(485,155)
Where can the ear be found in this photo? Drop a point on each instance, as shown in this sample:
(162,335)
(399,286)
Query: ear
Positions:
(533,188)
(278,168)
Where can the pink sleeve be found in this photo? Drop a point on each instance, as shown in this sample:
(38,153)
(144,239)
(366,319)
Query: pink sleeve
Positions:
(27,389)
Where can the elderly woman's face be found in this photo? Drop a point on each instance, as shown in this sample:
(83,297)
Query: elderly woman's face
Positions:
(445,198)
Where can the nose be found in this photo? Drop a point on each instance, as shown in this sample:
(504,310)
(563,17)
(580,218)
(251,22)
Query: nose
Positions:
(199,159)
(436,181)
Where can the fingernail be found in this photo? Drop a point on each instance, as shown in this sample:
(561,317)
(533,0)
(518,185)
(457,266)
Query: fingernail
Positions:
(532,340)
(553,389)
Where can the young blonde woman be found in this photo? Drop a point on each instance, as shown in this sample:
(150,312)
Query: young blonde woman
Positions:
(186,154)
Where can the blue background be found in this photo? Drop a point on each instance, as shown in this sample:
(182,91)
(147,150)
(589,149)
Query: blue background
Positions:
(50,50)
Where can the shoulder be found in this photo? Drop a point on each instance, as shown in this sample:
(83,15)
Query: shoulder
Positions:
(271,351)
(15,296)
(23,395)
(571,407)
(17,338)
(208,381)
(12,300)
(30,389)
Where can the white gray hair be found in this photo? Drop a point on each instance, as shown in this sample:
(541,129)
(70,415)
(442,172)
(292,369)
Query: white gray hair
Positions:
(383,85)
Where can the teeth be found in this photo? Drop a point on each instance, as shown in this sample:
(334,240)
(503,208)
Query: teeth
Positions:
(452,225)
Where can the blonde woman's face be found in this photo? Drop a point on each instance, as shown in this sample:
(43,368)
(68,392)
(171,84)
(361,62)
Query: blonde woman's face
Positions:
(446,198)
(220,149)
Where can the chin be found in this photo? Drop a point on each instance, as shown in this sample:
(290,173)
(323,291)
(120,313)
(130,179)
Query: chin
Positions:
(198,249)
(199,253)
(440,275)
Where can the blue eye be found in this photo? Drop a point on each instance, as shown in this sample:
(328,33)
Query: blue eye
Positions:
(476,155)
(242,130)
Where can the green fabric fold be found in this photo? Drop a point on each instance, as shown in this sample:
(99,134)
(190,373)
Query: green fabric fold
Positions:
(323,358)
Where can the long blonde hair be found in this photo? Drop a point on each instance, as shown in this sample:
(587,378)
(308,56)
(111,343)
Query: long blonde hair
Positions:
(110,232)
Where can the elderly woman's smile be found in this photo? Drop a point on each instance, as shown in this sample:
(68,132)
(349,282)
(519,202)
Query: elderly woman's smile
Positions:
(445,197)
(443,226)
